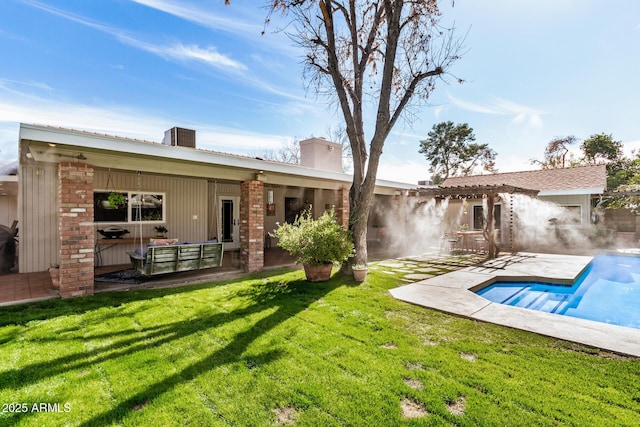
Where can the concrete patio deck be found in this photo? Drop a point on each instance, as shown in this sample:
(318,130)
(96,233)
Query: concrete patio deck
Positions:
(453,293)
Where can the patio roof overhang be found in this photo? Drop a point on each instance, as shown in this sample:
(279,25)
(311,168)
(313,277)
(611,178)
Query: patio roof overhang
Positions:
(50,144)
(475,191)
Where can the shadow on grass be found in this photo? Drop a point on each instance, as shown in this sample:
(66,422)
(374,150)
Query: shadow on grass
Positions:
(284,299)
(25,313)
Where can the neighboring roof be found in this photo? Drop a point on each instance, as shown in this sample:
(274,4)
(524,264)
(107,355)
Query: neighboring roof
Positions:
(562,181)
(83,142)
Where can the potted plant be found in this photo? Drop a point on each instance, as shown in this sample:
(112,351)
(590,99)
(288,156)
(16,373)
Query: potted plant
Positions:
(115,200)
(54,271)
(318,244)
(359,272)
(160,230)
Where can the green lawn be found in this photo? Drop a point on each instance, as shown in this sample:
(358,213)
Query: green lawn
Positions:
(272,349)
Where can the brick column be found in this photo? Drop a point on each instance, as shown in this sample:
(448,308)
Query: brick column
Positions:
(342,206)
(75,229)
(252,225)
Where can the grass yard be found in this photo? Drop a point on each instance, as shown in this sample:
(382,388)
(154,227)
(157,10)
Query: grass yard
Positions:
(272,349)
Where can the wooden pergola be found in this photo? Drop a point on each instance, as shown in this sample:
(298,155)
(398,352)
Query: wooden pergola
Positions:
(488,192)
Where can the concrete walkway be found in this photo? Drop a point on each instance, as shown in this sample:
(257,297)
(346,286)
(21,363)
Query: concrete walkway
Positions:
(453,293)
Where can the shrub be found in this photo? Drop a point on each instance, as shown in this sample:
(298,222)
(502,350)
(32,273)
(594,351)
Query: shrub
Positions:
(315,241)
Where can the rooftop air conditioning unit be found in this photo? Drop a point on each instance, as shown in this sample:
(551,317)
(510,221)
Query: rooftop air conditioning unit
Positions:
(180,137)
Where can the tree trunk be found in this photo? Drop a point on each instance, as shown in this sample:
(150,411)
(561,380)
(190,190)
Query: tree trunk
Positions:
(489,229)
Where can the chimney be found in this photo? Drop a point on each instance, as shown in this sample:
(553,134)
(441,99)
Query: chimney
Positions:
(180,137)
(318,153)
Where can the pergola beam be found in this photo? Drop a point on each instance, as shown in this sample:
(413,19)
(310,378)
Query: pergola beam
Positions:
(470,191)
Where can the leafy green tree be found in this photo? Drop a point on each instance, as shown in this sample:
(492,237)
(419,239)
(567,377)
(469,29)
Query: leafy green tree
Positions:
(601,148)
(369,55)
(451,151)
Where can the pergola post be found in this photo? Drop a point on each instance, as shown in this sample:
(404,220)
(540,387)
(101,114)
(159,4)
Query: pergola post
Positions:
(489,229)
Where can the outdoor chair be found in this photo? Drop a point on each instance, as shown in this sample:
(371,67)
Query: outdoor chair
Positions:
(451,240)
(480,244)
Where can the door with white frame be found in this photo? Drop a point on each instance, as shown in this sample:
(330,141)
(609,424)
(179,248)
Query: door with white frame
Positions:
(229,221)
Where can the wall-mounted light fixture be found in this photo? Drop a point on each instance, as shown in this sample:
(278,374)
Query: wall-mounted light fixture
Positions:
(270,197)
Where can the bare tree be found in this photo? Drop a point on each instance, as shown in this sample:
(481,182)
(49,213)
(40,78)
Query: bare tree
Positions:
(288,152)
(383,54)
(338,135)
(555,155)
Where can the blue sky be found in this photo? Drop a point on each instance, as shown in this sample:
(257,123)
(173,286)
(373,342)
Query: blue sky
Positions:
(534,70)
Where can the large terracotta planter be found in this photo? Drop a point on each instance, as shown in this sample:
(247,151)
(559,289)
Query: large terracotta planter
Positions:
(55,277)
(359,274)
(318,273)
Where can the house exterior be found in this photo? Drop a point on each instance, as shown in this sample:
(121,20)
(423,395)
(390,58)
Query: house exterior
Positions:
(67,176)
(572,188)
(568,193)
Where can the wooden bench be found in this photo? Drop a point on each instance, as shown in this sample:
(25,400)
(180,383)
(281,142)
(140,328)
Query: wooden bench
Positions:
(175,258)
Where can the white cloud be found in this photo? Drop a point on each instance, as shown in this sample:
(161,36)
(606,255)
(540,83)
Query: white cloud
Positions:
(525,119)
(401,170)
(208,55)
(230,21)
(203,16)
(178,51)
(121,120)
(629,147)
(499,106)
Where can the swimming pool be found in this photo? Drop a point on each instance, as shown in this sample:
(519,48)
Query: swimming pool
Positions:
(607,291)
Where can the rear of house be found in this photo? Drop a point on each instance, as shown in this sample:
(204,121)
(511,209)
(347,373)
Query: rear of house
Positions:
(67,176)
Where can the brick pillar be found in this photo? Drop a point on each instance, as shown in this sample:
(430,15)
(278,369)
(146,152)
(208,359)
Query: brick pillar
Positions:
(75,229)
(342,206)
(252,225)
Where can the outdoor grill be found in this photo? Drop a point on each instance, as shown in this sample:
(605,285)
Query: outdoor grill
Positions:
(7,248)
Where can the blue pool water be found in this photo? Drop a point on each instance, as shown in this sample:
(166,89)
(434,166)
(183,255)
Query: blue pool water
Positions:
(607,291)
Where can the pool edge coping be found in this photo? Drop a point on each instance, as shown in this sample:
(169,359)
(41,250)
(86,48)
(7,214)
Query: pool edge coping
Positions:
(453,293)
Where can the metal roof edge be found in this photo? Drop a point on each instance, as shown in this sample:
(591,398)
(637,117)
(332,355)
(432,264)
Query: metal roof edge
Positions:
(90,140)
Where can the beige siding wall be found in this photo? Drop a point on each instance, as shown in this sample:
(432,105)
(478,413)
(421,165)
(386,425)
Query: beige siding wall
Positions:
(186,209)
(38,201)
(582,200)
